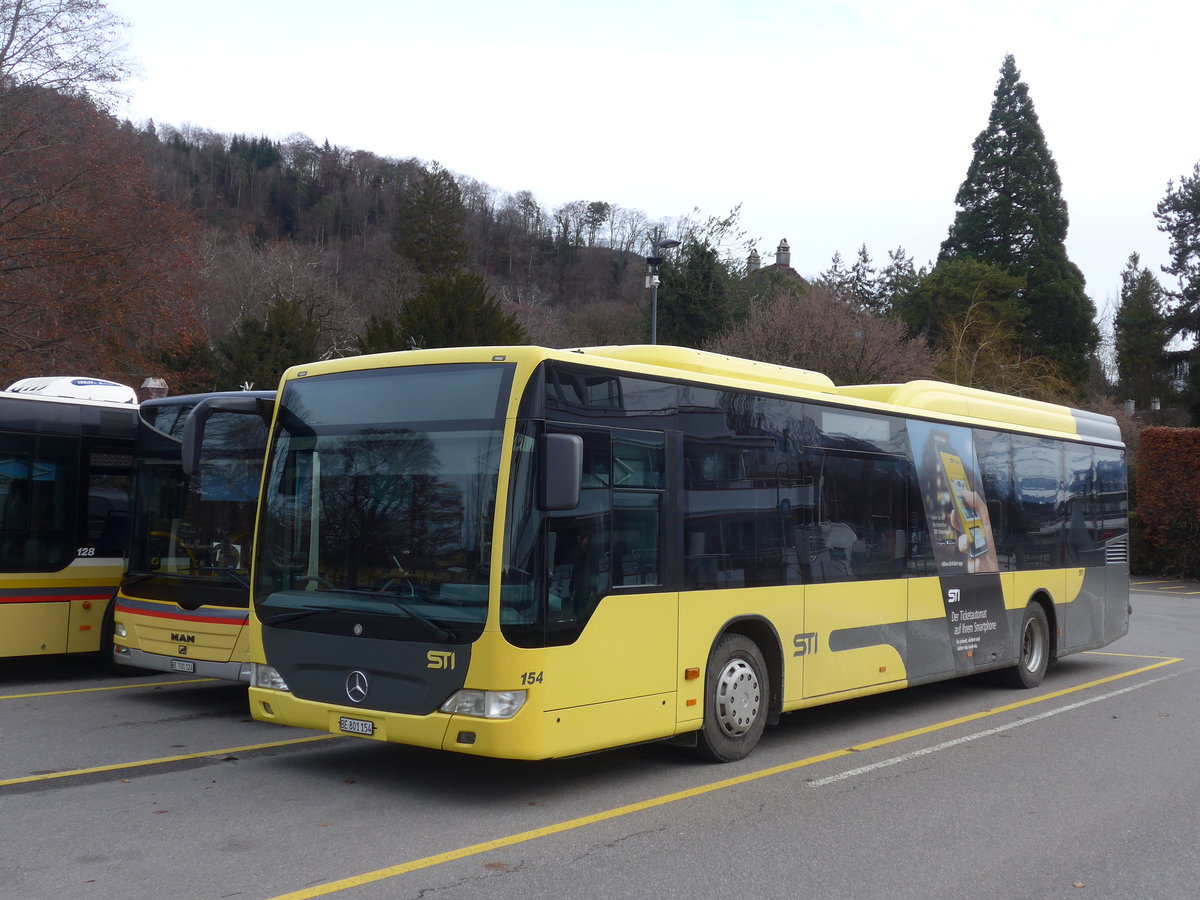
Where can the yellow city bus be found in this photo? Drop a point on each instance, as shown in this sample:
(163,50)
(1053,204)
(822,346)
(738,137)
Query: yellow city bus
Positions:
(528,553)
(66,455)
(182,605)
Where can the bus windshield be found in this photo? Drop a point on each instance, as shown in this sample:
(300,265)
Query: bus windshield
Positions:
(191,537)
(379,502)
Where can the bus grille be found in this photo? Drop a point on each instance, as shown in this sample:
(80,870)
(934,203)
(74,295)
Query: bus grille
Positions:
(1116,552)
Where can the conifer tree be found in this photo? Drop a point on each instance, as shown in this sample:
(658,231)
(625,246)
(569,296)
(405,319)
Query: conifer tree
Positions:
(696,298)
(864,281)
(382,334)
(1140,333)
(1178,215)
(257,350)
(457,311)
(1011,214)
(837,278)
(432,219)
(895,280)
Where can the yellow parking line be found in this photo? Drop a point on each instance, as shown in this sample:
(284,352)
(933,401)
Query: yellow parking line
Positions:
(620,811)
(111,687)
(139,763)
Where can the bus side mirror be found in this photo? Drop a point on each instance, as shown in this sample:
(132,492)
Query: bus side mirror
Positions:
(257,404)
(562,471)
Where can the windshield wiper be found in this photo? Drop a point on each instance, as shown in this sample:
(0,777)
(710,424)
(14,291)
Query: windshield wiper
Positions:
(441,633)
(299,614)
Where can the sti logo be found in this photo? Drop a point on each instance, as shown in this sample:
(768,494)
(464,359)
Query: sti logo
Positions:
(953,595)
(440,659)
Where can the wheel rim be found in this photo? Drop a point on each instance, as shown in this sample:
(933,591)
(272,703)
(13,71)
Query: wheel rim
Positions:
(738,698)
(1033,645)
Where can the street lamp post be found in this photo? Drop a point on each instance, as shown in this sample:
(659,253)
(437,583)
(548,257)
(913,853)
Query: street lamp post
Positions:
(652,263)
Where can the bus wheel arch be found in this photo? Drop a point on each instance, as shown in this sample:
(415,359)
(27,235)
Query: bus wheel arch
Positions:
(108,629)
(1034,647)
(1047,603)
(741,691)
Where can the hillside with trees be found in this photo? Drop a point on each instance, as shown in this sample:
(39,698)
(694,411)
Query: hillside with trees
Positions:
(217,260)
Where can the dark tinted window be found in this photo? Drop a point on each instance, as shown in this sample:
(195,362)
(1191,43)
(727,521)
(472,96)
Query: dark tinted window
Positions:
(1111,501)
(109,484)
(1037,472)
(744,492)
(1077,512)
(994,450)
(39,503)
(862,527)
(577,545)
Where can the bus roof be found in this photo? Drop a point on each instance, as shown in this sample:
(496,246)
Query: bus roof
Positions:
(75,387)
(927,399)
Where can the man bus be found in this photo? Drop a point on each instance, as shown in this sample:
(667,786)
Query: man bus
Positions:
(66,454)
(529,553)
(182,605)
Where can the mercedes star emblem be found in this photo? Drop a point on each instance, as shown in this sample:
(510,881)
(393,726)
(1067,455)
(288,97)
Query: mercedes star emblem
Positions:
(356,686)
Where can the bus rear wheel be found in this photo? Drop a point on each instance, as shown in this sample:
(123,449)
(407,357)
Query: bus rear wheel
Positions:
(736,695)
(1034,656)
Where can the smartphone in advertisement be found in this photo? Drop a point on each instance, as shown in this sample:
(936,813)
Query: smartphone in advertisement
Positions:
(972,524)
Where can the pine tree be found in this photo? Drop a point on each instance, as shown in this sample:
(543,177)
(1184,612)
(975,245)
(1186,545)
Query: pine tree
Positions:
(1011,214)
(1178,215)
(432,219)
(837,278)
(696,297)
(457,311)
(1140,333)
(257,351)
(896,279)
(864,281)
(382,334)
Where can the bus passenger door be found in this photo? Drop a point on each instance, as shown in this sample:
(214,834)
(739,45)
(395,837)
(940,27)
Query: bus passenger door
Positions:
(856,602)
(610,625)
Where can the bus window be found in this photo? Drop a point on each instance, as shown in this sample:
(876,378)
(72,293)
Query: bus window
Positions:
(40,507)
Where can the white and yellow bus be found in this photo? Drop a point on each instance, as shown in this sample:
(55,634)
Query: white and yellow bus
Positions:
(529,553)
(182,605)
(66,456)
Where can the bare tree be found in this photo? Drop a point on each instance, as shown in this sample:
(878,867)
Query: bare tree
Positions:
(984,350)
(607,322)
(69,46)
(240,279)
(813,329)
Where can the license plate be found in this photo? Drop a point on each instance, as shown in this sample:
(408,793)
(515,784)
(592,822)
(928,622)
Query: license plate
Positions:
(356,726)
(183,665)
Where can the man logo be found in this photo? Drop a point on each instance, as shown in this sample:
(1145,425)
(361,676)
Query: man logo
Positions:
(356,686)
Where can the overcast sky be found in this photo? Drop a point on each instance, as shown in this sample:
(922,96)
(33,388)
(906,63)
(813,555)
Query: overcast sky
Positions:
(832,124)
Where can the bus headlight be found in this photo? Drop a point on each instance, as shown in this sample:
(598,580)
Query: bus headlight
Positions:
(485,704)
(119,630)
(262,676)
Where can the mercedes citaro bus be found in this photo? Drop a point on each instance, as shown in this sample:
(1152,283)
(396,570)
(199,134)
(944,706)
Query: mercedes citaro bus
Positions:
(530,553)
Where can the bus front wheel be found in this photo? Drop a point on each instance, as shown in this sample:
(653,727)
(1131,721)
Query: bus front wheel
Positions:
(736,696)
(1034,655)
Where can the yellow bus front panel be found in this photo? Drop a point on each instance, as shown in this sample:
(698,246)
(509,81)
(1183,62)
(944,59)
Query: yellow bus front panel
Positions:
(159,635)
